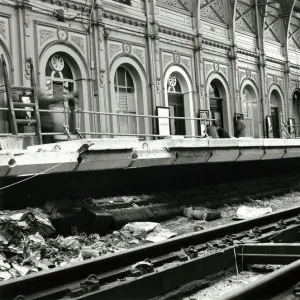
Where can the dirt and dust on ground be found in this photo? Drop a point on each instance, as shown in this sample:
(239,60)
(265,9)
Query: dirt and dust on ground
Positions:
(225,286)
(29,243)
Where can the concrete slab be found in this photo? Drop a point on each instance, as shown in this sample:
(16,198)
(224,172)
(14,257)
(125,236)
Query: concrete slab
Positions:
(223,143)
(292,142)
(33,163)
(274,142)
(247,154)
(251,142)
(223,155)
(93,161)
(192,156)
(153,157)
(292,152)
(99,144)
(190,143)
(273,153)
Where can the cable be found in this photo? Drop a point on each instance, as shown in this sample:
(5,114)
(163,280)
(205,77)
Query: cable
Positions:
(35,175)
(43,172)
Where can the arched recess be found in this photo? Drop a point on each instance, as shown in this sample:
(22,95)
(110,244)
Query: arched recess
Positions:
(140,95)
(4,118)
(187,94)
(296,109)
(224,95)
(80,75)
(277,109)
(250,108)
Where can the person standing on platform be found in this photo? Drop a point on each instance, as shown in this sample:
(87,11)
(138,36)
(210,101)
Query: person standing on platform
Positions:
(222,133)
(240,127)
(211,131)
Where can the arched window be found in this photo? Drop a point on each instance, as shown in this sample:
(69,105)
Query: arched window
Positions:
(126,101)
(176,105)
(59,76)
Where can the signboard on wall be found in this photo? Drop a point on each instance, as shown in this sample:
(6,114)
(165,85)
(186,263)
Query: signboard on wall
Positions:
(163,123)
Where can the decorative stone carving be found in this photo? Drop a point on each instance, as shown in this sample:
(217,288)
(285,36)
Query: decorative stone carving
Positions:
(113,49)
(255,78)
(140,54)
(208,68)
(213,10)
(176,58)
(126,48)
(273,28)
(62,34)
(187,63)
(202,91)
(245,17)
(266,100)
(158,85)
(181,4)
(224,71)
(280,82)
(167,59)
(3,29)
(46,35)
(237,96)
(274,79)
(216,67)
(269,81)
(101,78)
(248,74)
(79,41)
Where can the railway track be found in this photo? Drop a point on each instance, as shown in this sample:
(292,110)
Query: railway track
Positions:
(162,269)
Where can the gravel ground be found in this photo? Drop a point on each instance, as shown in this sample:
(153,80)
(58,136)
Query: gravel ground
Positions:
(225,286)
(182,225)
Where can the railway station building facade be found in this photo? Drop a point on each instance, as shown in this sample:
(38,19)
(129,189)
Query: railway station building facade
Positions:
(132,57)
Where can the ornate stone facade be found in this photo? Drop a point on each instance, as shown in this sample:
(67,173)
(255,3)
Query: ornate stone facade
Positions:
(196,38)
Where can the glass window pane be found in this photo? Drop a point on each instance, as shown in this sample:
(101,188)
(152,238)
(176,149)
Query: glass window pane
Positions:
(121,76)
(129,80)
(131,103)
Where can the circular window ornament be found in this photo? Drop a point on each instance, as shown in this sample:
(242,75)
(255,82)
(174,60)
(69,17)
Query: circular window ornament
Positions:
(216,66)
(172,80)
(127,48)
(176,58)
(62,34)
(57,63)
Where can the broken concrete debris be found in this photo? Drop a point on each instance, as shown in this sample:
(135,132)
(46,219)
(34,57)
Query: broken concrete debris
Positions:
(149,231)
(198,214)
(28,243)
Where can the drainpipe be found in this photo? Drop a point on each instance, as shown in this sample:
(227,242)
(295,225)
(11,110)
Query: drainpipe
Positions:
(151,63)
(261,64)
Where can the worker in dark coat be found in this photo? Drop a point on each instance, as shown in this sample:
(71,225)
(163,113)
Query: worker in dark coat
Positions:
(240,127)
(222,133)
(212,131)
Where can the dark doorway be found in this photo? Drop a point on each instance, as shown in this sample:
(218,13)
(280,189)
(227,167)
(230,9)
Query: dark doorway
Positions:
(176,104)
(275,119)
(216,104)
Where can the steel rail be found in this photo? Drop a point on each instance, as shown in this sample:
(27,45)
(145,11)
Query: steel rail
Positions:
(68,275)
(269,285)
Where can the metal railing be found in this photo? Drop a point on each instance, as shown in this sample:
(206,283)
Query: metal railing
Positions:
(114,118)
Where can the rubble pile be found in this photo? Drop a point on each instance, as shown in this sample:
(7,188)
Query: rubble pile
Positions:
(28,243)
